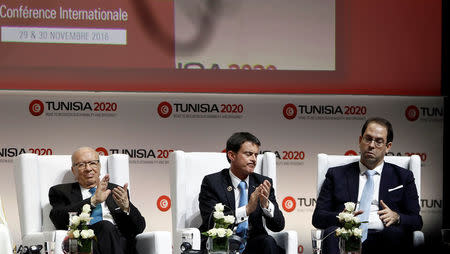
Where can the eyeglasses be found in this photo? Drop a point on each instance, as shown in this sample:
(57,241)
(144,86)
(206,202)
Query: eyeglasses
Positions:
(379,142)
(83,165)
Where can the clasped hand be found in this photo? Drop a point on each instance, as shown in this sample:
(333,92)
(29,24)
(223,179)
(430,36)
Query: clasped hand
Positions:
(119,194)
(261,194)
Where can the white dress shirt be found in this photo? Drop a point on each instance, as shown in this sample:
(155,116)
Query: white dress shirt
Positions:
(241,212)
(374,219)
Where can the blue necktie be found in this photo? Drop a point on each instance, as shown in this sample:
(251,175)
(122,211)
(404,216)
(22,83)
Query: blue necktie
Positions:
(97,212)
(365,202)
(243,226)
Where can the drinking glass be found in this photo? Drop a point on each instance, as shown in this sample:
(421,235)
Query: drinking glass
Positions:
(316,238)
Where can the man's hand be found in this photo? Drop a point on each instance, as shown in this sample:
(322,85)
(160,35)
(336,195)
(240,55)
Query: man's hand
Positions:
(120,195)
(356,213)
(387,216)
(264,192)
(253,201)
(102,191)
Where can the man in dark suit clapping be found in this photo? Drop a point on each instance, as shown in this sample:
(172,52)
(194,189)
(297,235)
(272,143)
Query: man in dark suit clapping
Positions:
(250,195)
(116,222)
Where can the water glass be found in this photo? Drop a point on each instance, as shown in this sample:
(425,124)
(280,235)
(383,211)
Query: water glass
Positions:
(316,238)
(49,242)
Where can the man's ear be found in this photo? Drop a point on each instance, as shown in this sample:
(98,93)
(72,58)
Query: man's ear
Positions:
(388,146)
(230,155)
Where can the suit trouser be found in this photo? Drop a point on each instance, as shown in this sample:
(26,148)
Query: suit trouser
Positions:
(262,244)
(109,239)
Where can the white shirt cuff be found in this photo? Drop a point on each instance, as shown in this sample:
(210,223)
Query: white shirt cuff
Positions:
(241,214)
(269,212)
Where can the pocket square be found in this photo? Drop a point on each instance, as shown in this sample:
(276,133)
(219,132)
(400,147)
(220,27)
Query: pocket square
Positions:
(395,188)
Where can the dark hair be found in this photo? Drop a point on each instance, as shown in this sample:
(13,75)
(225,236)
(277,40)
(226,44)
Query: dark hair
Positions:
(237,139)
(380,121)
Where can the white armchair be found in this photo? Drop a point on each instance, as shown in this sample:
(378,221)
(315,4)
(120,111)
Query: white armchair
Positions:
(5,238)
(187,172)
(35,174)
(412,163)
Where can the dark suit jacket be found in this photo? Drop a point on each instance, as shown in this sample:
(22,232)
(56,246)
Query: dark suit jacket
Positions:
(215,190)
(341,185)
(66,198)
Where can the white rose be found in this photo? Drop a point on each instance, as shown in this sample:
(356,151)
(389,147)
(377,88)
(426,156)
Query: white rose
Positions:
(355,219)
(91,233)
(219,207)
(85,217)
(357,232)
(87,233)
(348,217)
(350,206)
(218,215)
(229,219)
(221,232)
(229,232)
(86,208)
(76,233)
(212,232)
(75,221)
(338,231)
(340,216)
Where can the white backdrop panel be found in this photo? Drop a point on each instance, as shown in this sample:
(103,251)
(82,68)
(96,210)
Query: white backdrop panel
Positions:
(149,125)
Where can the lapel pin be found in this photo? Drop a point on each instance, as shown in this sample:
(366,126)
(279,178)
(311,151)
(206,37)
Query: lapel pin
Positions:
(229,188)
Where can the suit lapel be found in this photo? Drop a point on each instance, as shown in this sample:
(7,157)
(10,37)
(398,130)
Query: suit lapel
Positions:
(75,194)
(386,176)
(228,188)
(352,176)
(251,186)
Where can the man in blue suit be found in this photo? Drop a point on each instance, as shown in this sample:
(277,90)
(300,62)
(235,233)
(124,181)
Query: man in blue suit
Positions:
(393,210)
(249,195)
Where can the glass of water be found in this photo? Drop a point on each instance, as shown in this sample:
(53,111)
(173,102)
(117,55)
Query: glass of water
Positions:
(316,238)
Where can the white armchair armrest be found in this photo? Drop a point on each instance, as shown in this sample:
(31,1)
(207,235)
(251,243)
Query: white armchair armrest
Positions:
(156,242)
(287,240)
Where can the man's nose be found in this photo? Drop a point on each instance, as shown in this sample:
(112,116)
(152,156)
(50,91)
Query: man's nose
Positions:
(372,144)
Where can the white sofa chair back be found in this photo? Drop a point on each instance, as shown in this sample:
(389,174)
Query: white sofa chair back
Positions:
(326,161)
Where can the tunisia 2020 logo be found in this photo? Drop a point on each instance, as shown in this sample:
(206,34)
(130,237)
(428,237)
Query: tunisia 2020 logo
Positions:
(102,151)
(288,204)
(163,203)
(36,107)
(412,113)
(289,111)
(164,109)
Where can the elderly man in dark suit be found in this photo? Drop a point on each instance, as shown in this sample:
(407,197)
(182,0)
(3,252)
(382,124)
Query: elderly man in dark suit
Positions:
(392,207)
(116,220)
(249,195)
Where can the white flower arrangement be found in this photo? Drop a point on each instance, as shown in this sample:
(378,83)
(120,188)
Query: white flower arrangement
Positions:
(349,223)
(222,223)
(78,227)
